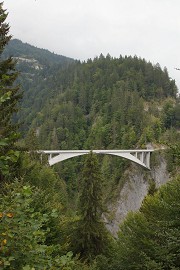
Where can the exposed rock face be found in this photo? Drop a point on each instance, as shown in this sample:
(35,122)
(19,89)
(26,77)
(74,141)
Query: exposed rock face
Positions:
(159,173)
(33,63)
(133,192)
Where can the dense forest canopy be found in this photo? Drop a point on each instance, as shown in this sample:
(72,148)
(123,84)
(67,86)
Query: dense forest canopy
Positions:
(107,93)
(102,103)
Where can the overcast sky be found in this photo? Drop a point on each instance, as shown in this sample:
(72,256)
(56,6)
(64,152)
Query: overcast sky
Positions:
(83,29)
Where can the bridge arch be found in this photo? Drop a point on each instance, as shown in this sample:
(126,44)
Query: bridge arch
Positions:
(141,157)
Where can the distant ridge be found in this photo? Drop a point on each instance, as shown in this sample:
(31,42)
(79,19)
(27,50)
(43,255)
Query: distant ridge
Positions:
(17,48)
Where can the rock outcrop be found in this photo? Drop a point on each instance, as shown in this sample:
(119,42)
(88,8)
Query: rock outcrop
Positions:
(135,188)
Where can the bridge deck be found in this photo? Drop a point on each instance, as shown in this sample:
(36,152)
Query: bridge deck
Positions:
(139,156)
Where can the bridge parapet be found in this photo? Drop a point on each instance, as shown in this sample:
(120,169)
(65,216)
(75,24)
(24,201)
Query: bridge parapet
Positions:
(141,157)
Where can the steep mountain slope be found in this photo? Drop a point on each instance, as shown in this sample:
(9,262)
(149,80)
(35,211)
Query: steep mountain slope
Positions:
(138,183)
(18,49)
(105,103)
(35,65)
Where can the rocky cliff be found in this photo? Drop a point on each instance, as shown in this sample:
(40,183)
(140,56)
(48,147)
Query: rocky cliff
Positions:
(135,188)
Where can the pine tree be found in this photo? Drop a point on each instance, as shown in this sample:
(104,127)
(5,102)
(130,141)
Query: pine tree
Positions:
(9,97)
(91,237)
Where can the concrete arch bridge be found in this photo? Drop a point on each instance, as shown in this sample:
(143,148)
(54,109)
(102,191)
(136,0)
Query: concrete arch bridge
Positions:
(141,157)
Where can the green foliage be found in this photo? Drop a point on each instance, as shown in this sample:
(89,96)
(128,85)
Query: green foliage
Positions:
(152,187)
(171,114)
(173,157)
(9,98)
(149,239)
(7,159)
(91,235)
(22,236)
(45,178)
(24,231)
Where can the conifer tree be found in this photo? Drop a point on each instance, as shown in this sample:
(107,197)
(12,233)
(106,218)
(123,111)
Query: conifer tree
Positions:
(91,239)
(9,97)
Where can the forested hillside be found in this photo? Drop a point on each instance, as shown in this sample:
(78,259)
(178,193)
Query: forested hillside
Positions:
(103,103)
(54,218)
(16,48)
(94,103)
